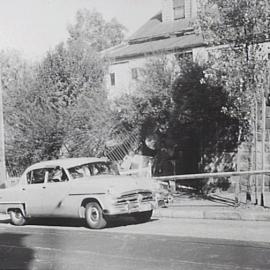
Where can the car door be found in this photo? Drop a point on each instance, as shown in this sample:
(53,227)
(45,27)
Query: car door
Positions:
(33,192)
(56,193)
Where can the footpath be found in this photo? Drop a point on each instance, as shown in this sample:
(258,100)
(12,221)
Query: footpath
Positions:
(219,206)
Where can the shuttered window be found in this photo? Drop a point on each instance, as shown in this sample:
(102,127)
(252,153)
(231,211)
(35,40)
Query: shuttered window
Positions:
(112,76)
(134,73)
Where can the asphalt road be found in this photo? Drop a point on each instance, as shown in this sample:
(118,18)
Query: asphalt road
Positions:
(158,244)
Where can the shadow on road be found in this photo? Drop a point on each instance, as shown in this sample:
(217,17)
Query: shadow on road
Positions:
(67,222)
(13,252)
(4,221)
(125,221)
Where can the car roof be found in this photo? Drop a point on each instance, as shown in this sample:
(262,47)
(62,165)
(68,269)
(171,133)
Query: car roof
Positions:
(66,162)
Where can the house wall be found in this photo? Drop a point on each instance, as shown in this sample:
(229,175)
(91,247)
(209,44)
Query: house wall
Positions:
(124,84)
(123,70)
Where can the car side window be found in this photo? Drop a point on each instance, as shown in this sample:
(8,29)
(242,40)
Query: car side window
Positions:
(57,174)
(36,176)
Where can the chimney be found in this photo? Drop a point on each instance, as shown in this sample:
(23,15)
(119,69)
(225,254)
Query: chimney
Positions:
(168,9)
(193,8)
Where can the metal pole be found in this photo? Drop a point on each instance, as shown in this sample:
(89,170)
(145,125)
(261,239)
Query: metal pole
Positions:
(263,145)
(199,176)
(2,141)
(255,151)
(237,180)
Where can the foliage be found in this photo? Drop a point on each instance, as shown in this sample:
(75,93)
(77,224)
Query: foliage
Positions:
(242,27)
(67,73)
(239,28)
(17,77)
(92,30)
(89,126)
(60,103)
(180,108)
(201,107)
(150,106)
(238,23)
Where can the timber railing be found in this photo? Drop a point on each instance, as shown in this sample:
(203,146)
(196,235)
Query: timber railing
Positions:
(236,175)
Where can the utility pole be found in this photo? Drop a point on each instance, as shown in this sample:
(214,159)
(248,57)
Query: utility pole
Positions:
(255,150)
(263,144)
(2,141)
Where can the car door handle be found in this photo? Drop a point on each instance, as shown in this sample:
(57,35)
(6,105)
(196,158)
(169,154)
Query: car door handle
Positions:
(43,187)
(23,189)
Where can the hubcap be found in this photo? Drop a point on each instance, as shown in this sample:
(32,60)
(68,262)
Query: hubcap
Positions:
(94,215)
(18,215)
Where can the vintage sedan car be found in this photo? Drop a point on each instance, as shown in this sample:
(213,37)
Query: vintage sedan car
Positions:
(89,188)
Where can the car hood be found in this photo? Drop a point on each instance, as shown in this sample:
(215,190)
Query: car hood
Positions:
(117,184)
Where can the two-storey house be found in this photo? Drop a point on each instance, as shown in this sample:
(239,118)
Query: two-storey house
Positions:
(171,31)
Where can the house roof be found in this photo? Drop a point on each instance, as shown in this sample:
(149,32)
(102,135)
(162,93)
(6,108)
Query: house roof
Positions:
(157,36)
(151,47)
(155,27)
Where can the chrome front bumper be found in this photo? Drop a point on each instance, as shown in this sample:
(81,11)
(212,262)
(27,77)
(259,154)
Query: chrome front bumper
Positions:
(130,207)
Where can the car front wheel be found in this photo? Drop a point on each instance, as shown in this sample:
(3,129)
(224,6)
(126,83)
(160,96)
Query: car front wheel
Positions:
(142,217)
(17,218)
(94,216)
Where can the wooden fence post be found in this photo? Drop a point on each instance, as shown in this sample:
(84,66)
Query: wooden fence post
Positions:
(237,189)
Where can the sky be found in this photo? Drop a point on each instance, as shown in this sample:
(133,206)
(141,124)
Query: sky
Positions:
(35,26)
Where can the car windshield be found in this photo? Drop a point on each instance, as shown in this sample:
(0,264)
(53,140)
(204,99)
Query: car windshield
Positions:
(92,169)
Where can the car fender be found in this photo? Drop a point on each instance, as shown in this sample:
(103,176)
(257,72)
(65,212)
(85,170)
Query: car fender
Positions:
(9,206)
(88,199)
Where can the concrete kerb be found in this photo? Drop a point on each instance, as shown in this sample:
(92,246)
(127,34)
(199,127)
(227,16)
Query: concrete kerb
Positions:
(248,215)
(220,214)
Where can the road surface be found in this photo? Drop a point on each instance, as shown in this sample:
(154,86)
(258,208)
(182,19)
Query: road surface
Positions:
(159,244)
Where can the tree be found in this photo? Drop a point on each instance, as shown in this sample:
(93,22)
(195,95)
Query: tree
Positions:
(236,23)
(17,79)
(181,109)
(149,108)
(89,126)
(91,29)
(243,27)
(60,102)
(70,83)
(201,116)
(67,73)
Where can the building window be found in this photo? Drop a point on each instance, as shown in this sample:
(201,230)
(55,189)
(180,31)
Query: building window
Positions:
(134,73)
(179,9)
(112,76)
(184,56)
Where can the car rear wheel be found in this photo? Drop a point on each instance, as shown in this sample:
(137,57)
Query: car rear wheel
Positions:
(17,218)
(94,216)
(142,217)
